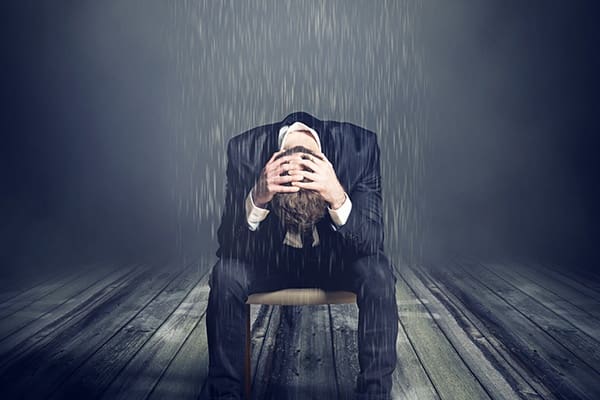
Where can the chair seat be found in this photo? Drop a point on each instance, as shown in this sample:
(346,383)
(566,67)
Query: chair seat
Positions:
(305,296)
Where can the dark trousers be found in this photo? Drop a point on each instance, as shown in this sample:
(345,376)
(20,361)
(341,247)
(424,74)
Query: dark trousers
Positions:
(370,277)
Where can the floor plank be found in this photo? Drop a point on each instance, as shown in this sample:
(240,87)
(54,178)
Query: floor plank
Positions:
(564,374)
(585,277)
(143,372)
(36,335)
(344,323)
(264,341)
(573,314)
(303,366)
(450,375)
(567,281)
(11,287)
(578,343)
(42,370)
(528,385)
(186,373)
(492,333)
(51,301)
(34,294)
(410,379)
(585,303)
(93,376)
(492,372)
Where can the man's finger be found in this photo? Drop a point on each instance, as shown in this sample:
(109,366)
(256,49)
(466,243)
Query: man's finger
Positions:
(310,175)
(310,164)
(274,155)
(280,161)
(285,189)
(273,165)
(324,157)
(307,185)
(286,178)
(318,156)
(273,161)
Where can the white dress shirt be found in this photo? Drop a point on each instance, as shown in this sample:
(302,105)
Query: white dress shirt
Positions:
(255,215)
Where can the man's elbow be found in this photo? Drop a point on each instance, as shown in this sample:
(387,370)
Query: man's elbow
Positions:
(371,242)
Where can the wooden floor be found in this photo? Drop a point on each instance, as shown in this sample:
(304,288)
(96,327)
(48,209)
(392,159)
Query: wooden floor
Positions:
(466,331)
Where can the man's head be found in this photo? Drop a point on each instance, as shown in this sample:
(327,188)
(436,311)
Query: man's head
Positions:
(300,210)
(299,134)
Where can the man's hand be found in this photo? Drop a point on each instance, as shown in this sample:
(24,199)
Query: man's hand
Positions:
(323,179)
(271,180)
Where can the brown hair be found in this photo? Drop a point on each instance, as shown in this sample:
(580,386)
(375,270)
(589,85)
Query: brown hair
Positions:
(300,210)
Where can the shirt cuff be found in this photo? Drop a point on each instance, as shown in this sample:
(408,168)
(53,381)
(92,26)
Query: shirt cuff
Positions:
(254,214)
(340,216)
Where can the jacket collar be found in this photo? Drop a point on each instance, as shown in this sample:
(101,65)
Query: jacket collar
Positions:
(307,119)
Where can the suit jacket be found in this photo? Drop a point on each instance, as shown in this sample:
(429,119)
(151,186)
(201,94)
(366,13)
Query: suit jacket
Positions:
(354,153)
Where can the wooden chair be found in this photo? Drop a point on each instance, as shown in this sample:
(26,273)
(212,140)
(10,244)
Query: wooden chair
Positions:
(289,297)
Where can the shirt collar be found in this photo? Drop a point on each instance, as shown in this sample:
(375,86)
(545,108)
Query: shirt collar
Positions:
(283,131)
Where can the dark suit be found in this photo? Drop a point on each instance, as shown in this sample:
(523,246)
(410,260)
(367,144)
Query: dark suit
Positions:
(350,257)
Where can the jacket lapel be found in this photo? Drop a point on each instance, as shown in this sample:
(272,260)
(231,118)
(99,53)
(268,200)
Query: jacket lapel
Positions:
(327,148)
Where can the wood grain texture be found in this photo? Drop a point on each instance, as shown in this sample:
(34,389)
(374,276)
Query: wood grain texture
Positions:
(577,342)
(527,385)
(145,369)
(44,369)
(578,317)
(451,376)
(95,374)
(32,295)
(53,300)
(556,284)
(466,331)
(21,344)
(565,375)
(491,371)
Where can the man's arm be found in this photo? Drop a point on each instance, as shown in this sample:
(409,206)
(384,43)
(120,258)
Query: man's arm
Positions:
(236,239)
(364,229)
(254,214)
(340,215)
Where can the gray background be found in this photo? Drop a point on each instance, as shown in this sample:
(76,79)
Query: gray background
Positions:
(116,116)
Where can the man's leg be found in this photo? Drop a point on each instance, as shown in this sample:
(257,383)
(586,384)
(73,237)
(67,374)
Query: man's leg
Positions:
(372,279)
(231,282)
(225,329)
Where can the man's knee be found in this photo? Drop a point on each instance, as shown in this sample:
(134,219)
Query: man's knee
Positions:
(373,275)
(229,275)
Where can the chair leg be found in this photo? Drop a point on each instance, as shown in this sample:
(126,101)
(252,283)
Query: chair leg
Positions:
(247,367)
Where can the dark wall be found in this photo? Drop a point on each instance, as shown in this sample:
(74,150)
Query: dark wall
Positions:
(89,146)
(514,128)
(84,171)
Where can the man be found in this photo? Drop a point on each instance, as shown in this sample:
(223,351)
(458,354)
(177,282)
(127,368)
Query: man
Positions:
(322,180)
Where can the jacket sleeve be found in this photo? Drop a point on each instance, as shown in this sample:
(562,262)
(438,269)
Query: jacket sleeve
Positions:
(363,232)
(254,214)
(235,237)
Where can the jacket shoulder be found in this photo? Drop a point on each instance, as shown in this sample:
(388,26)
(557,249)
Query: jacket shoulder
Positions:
(250,145)
(353,138)
(250,150)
